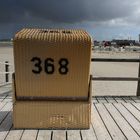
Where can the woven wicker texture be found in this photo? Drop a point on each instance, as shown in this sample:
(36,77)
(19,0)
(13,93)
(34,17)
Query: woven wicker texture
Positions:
(71,45)
(52,114)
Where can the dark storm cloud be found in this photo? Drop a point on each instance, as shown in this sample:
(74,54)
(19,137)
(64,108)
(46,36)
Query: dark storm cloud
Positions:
(96,16)
(65,11)
(10,11)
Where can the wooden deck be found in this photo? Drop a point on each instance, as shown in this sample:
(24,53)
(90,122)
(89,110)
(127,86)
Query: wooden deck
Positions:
(116,118)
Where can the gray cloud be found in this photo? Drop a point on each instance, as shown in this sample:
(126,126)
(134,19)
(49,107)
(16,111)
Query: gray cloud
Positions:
(66,11)
(10,11)
(15,14)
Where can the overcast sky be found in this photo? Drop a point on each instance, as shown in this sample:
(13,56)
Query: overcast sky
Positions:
(103,19)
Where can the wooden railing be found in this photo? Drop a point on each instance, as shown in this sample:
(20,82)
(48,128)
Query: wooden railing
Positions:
(8,72)
(119,78)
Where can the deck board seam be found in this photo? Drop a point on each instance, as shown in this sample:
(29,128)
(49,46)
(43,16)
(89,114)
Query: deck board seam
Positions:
(81,135)
(66,135)
(103,122)
(131,112)
(119,98)
(108,99)
(8,132)
(100,100)
(37,134)
(97,100)
(127,121)
(115,100)
(92,123)
(10,126)
(3,106)
(128,99)
(94,128)
(94,131)
(94,99)
(21,134)
(51,135)
(4,98)
(115,121)
(135,107)
(133,100)
(123,100)
(5,116)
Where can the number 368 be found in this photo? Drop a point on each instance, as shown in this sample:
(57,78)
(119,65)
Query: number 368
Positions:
(49,67)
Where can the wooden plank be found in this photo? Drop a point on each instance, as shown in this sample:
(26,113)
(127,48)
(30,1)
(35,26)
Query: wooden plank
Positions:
(122,123)
(2,104)
(119,100)
(5,84)
(10,94)
(94,100)
(115,78)
(138,85)
(88,134)
(5,126)
(128,100)
(136,99)
(135,110)
(4,92)
(101,99)
(2,97)
(7,107)
(115,133)
(14,134)
(29,135)
(137,105)
(115,60)
(110,99)
(8,98)
(129,117)
(59,135)
(44,135)
(4,111)
(99,127)
(73,135)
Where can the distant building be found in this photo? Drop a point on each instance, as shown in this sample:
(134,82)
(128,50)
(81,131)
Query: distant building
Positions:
(139,37)
(106,43)
(121,43)
(96,43)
